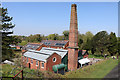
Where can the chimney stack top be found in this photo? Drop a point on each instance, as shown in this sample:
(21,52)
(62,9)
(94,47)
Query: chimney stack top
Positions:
(73,5)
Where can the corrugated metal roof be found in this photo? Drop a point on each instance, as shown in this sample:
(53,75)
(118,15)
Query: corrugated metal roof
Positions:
(36,56)
(61,52)
(44,53)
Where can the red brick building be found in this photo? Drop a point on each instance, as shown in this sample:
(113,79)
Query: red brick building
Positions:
(49,53)
(60,44)
(33,46)
(45,58)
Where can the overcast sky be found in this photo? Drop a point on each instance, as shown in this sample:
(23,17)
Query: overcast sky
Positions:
(54,17)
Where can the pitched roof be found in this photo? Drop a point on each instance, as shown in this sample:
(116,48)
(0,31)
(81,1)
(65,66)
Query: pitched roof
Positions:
(83,52)
(33,46)
(58,43)
(44,53)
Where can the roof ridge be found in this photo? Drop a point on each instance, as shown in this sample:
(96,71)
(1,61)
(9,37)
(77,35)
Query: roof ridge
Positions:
(39,52)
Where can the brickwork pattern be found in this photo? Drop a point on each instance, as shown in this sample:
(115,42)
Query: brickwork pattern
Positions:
(73,40)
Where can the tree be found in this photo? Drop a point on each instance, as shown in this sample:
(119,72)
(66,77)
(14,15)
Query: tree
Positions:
(89,35)
(80,41)
(17,39)
(84,38)
(7,53)
(66,34)
(112,47)
(100,41)
(87,46)
(53,37)
(34,38)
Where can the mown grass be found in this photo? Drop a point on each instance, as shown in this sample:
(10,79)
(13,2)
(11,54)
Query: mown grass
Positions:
(98,70)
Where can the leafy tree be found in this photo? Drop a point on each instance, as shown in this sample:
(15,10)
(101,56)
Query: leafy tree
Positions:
(88,45)
(60,37)
(112,47)
(100,41)
(89,35)
(53,37)
(17,39)
(66,34)
(80,41)
(7,53)
(34,38)
(84,37)
(93,46)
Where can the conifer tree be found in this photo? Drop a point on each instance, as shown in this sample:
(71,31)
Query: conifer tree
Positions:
(7,39)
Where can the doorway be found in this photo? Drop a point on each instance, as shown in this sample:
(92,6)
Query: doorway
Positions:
(29,65)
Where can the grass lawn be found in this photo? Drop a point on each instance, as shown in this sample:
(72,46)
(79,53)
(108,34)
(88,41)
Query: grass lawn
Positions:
(98,70)
(27,73)
(6,69)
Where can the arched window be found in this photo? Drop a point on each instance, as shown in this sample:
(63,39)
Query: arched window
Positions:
(42,65)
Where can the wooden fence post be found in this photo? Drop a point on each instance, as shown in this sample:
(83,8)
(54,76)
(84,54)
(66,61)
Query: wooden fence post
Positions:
(22,74)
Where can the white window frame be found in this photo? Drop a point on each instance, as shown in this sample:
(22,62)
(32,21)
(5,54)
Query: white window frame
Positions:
(31,61)
(55,59)
(42,65)
(36,62)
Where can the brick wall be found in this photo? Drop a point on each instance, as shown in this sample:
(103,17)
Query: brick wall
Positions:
(33,65)
(73,39)
(41,47)
(50,62)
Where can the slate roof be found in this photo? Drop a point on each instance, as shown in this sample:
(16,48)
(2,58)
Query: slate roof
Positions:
(33,46)
(57,43)
(44,53)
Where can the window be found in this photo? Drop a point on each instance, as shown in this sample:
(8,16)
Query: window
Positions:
(54,59)
(47,43)
(27,59)
(37,62)
(59,44)
(42,64)
(31,61)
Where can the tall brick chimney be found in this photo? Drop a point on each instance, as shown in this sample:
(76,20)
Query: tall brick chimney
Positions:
(73,40)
